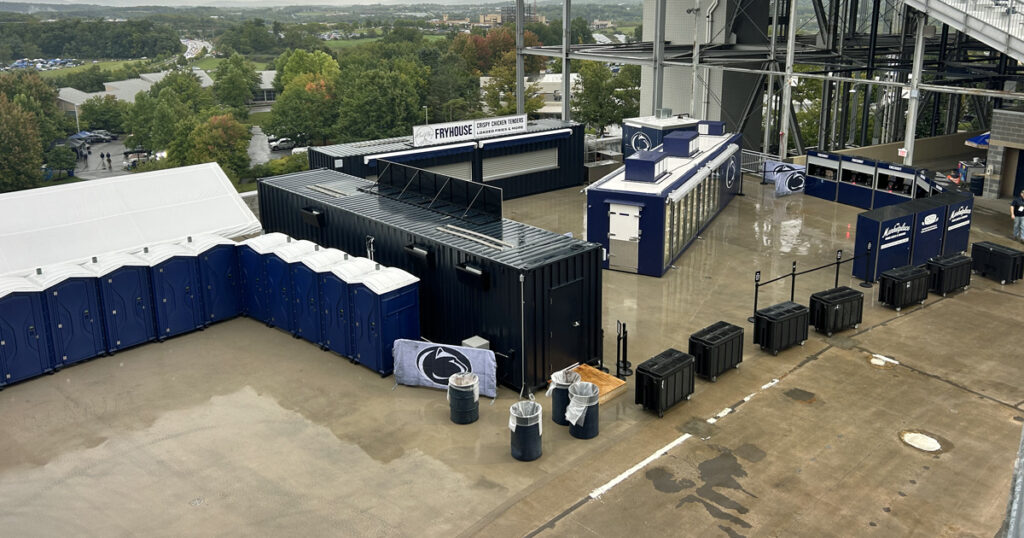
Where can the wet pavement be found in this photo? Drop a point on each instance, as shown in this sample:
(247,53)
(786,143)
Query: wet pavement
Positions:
(259,149)
(241,429)
(93,168)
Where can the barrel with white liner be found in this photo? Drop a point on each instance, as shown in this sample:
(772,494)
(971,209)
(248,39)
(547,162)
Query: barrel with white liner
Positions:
(525,423)
(464,397)
(582,412)
(559,392)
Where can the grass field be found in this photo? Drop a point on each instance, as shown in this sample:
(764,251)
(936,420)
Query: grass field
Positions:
(113,64)
(339,44)
(208,64)
(259,118)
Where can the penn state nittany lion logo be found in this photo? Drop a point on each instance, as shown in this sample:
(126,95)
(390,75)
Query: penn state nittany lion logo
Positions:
(438,363)
(730,174)
(640,141)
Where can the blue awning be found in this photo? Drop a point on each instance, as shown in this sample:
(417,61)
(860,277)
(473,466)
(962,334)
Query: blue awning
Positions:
(519,140)
(980,141)
(420,154)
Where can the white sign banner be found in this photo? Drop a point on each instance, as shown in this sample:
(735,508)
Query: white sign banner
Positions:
(441,133)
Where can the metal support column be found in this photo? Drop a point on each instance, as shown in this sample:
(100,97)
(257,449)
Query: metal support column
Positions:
(876,6)
(769,94)
(566,71)
(787,85)
(694,82)
(659,55)
(915,91)
(520,69)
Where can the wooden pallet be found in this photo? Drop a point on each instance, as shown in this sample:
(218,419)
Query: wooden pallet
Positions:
(608,385)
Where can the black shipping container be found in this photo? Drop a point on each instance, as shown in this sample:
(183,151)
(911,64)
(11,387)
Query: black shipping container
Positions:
(1002,264)
(836,310)
(949,273)
(903,286)
(716,349)
(533,294)
(781,326)
(664,380)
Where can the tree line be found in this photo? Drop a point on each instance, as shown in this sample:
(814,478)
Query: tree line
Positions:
(78,38)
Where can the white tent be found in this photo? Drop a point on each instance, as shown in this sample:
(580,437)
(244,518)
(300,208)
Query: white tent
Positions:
(71,223)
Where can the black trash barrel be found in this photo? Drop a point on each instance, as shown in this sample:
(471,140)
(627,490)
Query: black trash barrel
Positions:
(464,397)
(524,421)
(559,392)
(582,411)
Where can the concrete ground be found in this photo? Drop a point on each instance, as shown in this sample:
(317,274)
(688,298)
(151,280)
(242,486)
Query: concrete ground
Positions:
(242,430)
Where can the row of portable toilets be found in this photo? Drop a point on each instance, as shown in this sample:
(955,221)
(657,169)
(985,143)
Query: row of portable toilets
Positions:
(68,313)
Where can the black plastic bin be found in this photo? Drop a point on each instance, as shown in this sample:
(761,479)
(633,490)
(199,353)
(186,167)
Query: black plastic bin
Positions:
(664,380)
(559,392)
(904,286)
(716,349)
(949,273)
(836,310)
(781,326)
(526,430)
(582,413)
(464,397)
(1002,264)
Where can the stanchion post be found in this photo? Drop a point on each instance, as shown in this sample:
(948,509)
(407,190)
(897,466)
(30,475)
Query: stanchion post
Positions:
(757,286)
(792,283)
(867,254)
(839,257)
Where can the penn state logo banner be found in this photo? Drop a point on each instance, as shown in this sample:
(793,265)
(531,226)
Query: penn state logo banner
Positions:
(788,178)
(426,364)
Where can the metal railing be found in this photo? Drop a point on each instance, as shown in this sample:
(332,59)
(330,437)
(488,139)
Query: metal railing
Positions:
(753,161)
(997,23)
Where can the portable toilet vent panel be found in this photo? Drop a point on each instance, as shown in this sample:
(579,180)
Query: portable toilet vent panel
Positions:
(127,299)
(252,255)
(218,276)
(307,277)
(279,280)
(174,272)
(335,301)
(72,303)
(385,307)
(24,331)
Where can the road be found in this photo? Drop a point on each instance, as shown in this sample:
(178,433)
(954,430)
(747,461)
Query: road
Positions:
(92,168)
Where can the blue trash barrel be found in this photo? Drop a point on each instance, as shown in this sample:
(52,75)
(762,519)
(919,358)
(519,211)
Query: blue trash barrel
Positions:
(385,307)
(24,331)
(252,264)
(279,281)
(307,276)
(126,298)
(525,423)
(72,301)
(177,302)
(559,392)
(582,410)
(218,276)
(335,302)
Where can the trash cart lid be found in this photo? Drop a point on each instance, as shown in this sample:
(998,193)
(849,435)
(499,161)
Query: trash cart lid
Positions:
(294,251)
(16,284)
(321,260)
(162,252)
(203,242)
(387,279)
(106,263)
(351,269)
(55,274)
(266,243)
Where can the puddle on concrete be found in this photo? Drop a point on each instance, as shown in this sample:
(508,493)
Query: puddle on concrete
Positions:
(801,395)
(697,428)
(925,441)
(750,453)
(666,482)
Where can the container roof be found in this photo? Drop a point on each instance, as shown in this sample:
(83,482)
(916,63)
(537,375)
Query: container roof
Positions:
(265,244)
(107,263)
(679,169)
(294,251)
(322,260)
(351,269)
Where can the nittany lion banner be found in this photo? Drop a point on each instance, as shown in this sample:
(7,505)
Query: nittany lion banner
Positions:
(426,364)
(788,178)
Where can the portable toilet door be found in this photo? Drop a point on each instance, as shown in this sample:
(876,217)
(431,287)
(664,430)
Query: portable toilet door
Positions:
(72,302)
(126,298)
(24,339)
(174,273)
(252,254)
(218,276)
(279,280)
(385,307)
(307,276)
(334,300)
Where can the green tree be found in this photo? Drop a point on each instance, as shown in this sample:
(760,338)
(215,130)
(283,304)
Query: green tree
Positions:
(593,97)
(38,98)
(453,92)
(21,159)
(236,83)
(500,92)
(61,159)
(579,32)
(293,63)
(638,33)
(221,139)
(307,110)
(382,102)
(186,88)
(628,90)
(104,112)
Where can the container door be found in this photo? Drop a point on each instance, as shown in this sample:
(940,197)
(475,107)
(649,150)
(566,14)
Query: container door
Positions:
(307,303)
(127,307)
(365,332)
(564,327)
(175,281)
(623,237)
(23,350)
(218,269)
(78,334)
(278,292)
(335,315)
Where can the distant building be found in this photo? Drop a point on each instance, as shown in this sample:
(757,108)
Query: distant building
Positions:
(492,19)
(549,87)
(601,25)
(266,93)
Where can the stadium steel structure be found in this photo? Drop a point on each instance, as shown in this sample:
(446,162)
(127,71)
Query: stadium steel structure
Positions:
(872,57)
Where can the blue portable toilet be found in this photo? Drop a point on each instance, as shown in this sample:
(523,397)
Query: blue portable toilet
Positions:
(385,307)
(334,290)
(218,276)
(174,273)
(252,255)
(126,298)
(72,301)
(24,331)
(307,276)
(279,281)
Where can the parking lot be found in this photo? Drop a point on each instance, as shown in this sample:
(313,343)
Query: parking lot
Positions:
(92,168)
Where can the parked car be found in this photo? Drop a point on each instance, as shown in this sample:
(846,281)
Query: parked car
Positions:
(272,138)
(97,138)
(110,136)
(282,144)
